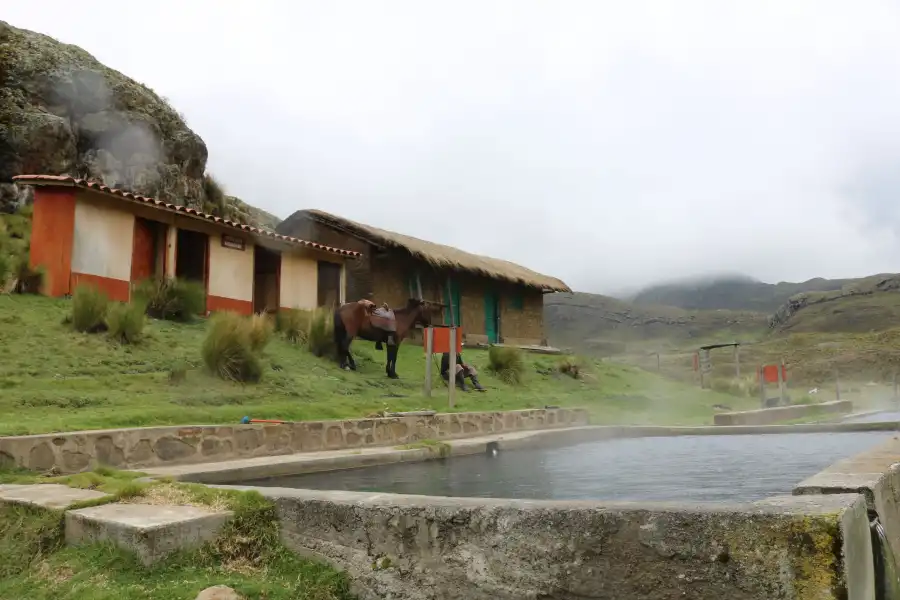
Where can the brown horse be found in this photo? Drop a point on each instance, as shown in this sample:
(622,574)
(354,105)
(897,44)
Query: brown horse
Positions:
(358,319)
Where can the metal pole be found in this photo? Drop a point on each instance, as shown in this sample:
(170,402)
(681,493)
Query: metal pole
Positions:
(737,361)
(452,374)
(837,385)
(657,361)
(418,286)
(429,352)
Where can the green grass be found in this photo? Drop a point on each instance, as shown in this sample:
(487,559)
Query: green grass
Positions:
(54,379)
(248,556)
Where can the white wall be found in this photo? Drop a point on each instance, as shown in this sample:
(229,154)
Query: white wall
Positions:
(104,241)
(299,282)
(230,271)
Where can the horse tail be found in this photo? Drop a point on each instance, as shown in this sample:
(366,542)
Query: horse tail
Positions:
(340,333)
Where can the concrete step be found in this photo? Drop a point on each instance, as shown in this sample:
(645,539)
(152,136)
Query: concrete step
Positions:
(150,531)
(47,495)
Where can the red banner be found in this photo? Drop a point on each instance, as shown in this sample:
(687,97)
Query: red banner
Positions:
(442,339)
(770,373)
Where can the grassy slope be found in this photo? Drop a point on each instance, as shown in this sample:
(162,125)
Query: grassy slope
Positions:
(248,556)
(52,379)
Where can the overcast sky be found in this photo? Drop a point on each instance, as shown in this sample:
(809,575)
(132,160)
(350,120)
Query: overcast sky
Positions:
(611,144)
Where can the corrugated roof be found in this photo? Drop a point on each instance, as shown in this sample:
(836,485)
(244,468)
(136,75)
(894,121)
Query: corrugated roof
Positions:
(67,180)
(438,255)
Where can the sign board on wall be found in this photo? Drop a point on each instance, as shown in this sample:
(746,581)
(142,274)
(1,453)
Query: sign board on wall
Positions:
(235,243)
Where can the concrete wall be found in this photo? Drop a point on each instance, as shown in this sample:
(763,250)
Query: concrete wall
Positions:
(299,281)
(418,547)
(874,473)
(230,276)
(102,247)
(159,446)
(768,416)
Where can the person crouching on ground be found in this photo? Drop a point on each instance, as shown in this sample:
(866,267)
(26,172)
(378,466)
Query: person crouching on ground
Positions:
(462,372)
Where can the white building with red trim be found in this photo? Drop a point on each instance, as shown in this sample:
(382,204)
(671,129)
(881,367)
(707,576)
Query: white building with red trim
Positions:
(87,233)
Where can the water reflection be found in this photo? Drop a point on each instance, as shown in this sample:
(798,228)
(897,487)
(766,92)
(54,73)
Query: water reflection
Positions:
(688,468)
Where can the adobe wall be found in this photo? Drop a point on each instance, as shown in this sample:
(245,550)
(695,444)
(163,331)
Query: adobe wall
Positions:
(430,548)
(162,446)
(769,416)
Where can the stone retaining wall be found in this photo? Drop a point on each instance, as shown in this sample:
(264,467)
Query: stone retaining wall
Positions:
(428,548)
(768,416)
(159,446)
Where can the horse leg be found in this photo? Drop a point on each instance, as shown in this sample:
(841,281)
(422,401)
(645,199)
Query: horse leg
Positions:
(392,361)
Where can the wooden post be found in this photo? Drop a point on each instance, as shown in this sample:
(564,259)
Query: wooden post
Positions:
(429,352)
(895,385)
(419,286)
(450,302)
(737,361)
(452,373)
(780,388)
(762,386)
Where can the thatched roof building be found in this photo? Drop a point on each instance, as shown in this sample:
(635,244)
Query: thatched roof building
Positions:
(488,295)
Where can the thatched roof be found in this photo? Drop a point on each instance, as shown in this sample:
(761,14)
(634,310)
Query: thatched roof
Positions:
(438,255)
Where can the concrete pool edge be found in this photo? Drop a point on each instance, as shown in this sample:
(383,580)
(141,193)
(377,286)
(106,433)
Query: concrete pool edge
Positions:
(263,467)
(875,474)
(404,546)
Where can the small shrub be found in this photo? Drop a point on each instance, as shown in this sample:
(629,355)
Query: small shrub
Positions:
(261,330)
(178,372)
(228,349)
(570,366)
(172,299)
(125,322)
(89,309)
(320,336)
(29,280)
(506,364)
(293,324)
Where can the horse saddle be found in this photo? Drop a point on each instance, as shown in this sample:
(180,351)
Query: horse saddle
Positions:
(383,318)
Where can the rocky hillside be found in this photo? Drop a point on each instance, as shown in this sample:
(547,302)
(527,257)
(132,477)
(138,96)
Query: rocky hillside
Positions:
(605,325)
(864,305)
(733,292)
(63,112)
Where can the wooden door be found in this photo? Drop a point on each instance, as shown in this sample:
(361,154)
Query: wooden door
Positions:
(143,256)
(492,317)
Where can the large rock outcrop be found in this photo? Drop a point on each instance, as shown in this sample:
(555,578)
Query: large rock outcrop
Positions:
(62,111)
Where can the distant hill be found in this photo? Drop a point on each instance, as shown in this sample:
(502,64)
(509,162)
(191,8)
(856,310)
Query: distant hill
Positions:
(605,325)
(734,292)
(864,305)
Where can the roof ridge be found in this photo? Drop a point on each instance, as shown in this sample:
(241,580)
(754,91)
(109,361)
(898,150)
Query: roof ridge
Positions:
(178,208)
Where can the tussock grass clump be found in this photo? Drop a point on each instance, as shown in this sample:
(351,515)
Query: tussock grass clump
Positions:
(125,322)
(232,348)
(571,366)
(172,299)
(89,306)
(261,330)
(506,364)
(293,324)
(320,335)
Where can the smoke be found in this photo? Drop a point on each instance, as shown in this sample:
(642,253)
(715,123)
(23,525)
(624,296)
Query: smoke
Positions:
(117,146)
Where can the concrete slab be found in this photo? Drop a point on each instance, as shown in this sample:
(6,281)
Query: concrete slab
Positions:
(47,495)
(150,531)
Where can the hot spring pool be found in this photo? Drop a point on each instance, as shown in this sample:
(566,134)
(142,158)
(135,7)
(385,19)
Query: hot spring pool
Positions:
(682,468)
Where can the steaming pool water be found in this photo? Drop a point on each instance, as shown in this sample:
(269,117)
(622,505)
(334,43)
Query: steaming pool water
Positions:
(686,468)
